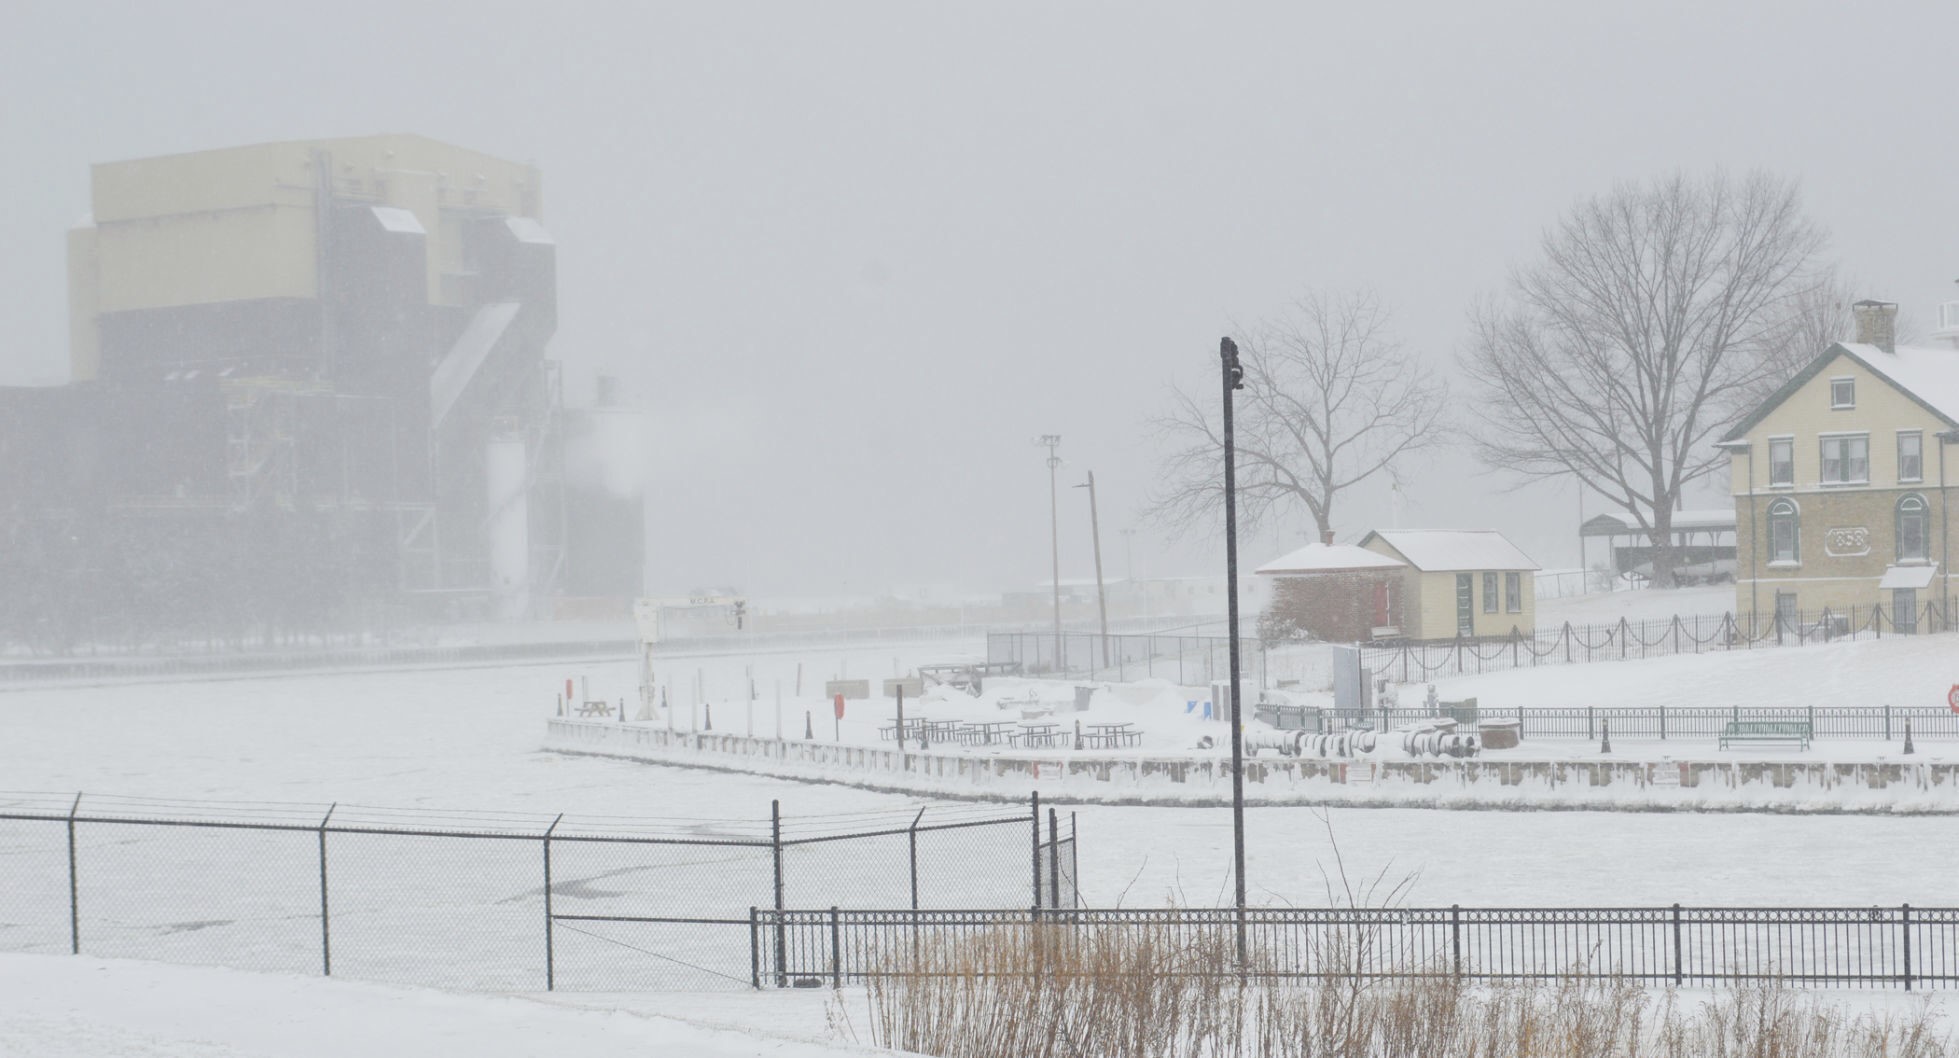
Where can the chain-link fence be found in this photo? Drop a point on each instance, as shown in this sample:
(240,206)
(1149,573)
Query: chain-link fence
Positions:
(505,901)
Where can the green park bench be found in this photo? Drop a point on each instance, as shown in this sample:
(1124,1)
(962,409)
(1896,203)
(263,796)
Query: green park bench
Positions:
(1797,731)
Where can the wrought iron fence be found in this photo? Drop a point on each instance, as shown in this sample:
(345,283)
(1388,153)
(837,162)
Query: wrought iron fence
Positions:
(1881,722)
(484,899)
(1902,946)
(1190,660)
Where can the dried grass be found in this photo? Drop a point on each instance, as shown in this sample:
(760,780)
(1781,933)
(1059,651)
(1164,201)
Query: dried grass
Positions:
(1062,991)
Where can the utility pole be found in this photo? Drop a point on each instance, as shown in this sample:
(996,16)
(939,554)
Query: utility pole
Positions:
(1053,442)
(1234,379)
(1101,592)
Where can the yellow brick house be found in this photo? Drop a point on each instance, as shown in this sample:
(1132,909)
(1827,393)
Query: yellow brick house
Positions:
(1842,497)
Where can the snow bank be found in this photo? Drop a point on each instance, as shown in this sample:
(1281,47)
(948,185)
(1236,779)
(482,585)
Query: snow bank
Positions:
(78,1007)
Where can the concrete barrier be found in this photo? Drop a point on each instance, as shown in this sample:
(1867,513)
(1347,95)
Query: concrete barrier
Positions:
(852,690)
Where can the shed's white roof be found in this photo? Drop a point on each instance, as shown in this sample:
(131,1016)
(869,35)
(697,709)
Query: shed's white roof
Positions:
(1715,519)
(1436,550)
(1928,372)
(1329,558)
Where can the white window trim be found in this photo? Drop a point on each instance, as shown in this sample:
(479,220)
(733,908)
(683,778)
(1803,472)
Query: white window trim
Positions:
(1858,483)
(1834,406)
(1920,479)
(1768,543)
(1768,446)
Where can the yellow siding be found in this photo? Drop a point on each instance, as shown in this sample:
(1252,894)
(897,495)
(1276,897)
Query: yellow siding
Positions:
(238,223)
(203,258)
(1429,608)
(1881,411)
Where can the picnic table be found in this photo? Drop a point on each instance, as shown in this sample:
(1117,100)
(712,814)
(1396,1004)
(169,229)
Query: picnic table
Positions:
(940,730)
(988,732)
(913,725)
(1109,736)
(595,707)
(1040,735)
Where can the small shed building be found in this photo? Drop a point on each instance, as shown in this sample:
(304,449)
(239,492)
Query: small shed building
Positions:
(1460,583)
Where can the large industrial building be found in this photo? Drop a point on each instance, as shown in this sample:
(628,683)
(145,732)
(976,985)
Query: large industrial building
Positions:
(310,392)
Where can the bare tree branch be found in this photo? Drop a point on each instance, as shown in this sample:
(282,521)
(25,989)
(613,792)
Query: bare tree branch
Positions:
(1656,316)
(1330,400)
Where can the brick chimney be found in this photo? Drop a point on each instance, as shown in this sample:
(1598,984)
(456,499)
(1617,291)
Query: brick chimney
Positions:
(1326,538)
(1877,324)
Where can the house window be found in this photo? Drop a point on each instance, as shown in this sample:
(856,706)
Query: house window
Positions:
(1513,592)
(1782,461)
(1785,535)
(1847,459)
(1489,593)
(1912,523)
(1843,393)
(1911,455)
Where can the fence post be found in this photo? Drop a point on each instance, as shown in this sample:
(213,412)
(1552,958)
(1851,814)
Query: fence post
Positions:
(1904,921)
(781,937)
(1589,710)
(550,956)
(911,836)
(1054,858)
(1036,803)
(326,935)
(74,885)
(1663,722)
(836,949)
(754,950)
(1455,937)
(1678,965)
(1887,724)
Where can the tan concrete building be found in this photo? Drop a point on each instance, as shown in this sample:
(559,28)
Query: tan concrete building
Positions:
(1468,583)
(1842,504)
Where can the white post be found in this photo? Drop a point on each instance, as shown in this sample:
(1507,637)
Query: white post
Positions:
(778,707)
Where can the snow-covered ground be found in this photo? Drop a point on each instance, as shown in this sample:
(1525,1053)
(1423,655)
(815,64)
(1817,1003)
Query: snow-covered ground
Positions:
(1649,604)
(69,1007)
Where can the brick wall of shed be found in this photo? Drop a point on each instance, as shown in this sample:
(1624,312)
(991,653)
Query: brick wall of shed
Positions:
(1333,607)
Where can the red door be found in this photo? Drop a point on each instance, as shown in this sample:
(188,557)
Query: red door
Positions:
(1381,605)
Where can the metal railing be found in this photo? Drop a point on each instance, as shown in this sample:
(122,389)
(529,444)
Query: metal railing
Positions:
(492,900)
(1879,722)
(1902,946)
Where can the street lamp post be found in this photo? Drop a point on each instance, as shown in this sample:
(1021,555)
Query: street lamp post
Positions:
(1101,592)
(1053,442)
(1234,379)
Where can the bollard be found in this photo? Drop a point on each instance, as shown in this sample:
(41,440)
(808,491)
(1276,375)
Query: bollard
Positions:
(1909,748)
(707,710)
(809,730)
(561,705)
(622,710)
(1605,736)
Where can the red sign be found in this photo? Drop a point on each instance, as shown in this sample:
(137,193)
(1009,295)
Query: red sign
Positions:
(839,703)
(567,688)
(1952,698)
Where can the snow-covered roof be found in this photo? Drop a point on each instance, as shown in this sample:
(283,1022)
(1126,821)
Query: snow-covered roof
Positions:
(1329,558)
(1437,550)
(1615,523)
(1928,372)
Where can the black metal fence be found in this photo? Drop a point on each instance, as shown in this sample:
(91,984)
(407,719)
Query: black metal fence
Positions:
(1904,947)
(1861,723)
(1415,662)
(482,899)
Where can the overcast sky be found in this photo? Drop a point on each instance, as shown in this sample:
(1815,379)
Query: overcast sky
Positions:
(856,257)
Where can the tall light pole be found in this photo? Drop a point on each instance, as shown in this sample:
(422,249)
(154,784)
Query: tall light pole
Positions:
(1234,379)
(1101,592)
(1053,442)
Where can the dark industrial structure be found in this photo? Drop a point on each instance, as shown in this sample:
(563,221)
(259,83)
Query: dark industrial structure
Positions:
(311,396)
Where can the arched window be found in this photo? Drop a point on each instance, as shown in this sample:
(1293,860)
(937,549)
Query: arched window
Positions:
(1785,535)
(1913,522)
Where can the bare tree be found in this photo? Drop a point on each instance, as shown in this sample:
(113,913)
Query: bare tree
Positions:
(1654,318)
(1330,400)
